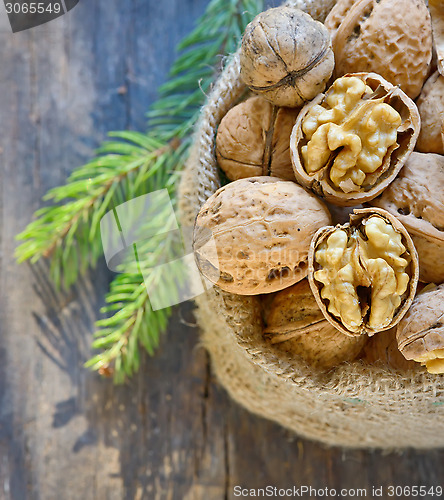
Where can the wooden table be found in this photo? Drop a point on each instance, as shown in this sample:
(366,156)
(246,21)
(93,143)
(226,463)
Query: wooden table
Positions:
(171,432)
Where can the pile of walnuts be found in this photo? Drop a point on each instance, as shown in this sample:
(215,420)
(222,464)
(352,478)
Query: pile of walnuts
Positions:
(349,113)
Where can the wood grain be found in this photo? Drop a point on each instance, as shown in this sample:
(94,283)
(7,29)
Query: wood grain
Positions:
(171,432)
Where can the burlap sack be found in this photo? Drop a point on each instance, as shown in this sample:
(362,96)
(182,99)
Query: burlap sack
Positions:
(355,405)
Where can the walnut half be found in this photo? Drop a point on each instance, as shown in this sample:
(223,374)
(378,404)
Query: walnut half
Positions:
(420,334)
(416,199)
(348,144)
(363,274)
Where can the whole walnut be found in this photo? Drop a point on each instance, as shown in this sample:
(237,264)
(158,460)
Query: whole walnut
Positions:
(437,13)
(420,334)
(416,198)
(363,274)
(337,15)
(296,325)
(390,37)
(286,56)
(382,349)
(252,236)
(253,139)
(431,109)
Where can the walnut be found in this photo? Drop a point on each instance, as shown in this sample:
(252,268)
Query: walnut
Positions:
(337,15)
(389,37)
(420,334)
(431,109)
(286,56)
(382,349)
(437,14)
(416,198)
(364,273)
(348,144)
(252,236)
(253,139)
(296,325)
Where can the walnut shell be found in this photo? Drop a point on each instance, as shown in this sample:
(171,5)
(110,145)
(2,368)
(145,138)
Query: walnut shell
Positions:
(420,334)
(253,139)
(252,236)
(437,14)
(389,37)
(382,349)
(337,15)
(370,164)
(416,198)
(286,56)
(431,109)
(296,325)
(363,274)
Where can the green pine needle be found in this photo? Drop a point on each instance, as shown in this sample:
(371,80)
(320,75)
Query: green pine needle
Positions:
(69,232)
(129,165)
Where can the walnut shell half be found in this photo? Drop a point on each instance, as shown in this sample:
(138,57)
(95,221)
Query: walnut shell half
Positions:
(416,198)
(363,274)
(420,334)
(253,138)
(296,325)
(348,144)
(252,236)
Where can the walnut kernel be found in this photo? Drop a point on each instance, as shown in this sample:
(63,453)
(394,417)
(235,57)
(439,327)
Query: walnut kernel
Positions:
(350,143)
(361,130)
(416,198)
(364,274)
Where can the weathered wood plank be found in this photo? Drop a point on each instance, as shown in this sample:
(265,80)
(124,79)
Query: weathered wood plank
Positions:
(60,93)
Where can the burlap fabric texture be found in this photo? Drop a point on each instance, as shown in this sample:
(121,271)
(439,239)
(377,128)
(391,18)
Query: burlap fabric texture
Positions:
(355,405)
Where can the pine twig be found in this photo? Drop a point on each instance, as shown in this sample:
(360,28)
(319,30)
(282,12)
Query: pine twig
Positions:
(69,233)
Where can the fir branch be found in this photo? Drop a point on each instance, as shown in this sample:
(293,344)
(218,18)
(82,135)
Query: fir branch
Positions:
(133,321)
(69,232)
(134,164)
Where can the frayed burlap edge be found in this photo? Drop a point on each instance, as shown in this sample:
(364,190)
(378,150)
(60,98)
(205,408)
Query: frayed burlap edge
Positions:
(355,405)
